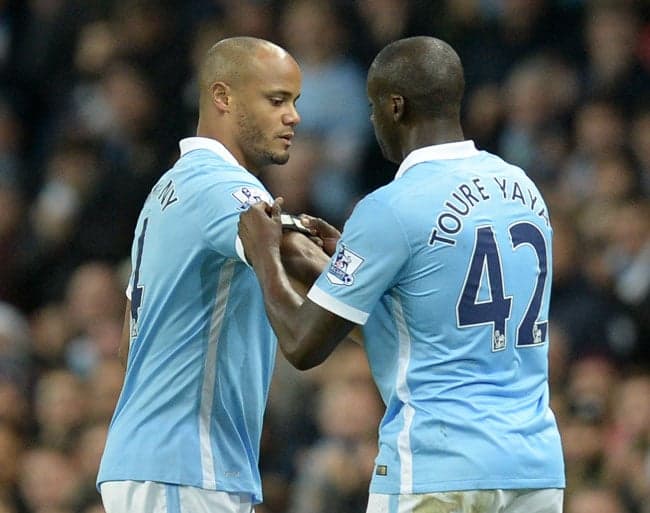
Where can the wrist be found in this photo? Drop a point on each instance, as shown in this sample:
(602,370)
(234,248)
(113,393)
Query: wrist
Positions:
(267,264)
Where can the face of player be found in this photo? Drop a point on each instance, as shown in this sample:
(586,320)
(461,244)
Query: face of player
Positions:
(266,111)
(380,116)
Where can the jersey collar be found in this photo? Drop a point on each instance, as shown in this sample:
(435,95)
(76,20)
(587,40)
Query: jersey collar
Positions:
(204,143)
(447,151)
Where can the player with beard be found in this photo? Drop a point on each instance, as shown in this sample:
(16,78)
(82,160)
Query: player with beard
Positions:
(198,348)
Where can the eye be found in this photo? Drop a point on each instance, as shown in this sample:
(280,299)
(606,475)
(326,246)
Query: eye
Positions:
(276,102)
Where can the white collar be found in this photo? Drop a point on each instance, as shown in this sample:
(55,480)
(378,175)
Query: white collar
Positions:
(204,143)
(446,151)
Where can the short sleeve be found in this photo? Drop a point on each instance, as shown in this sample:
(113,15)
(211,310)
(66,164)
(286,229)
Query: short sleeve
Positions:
(372,251)
(218,207)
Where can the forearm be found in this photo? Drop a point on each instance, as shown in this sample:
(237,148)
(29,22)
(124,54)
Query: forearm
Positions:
(282,303)
(305,261)
(307,333)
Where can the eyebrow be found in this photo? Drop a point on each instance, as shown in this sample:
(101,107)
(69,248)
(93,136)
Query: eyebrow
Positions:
(281,92)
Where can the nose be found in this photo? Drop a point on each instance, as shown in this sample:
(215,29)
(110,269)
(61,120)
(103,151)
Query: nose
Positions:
(291,118)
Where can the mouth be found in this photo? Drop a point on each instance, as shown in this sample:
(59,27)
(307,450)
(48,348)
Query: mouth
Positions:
(287,138)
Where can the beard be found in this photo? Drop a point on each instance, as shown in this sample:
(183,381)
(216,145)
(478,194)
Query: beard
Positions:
(256,145)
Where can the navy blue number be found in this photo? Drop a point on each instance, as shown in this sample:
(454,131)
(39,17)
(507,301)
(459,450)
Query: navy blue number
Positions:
(531,331)
(496,310)
(486,264)
(136,293)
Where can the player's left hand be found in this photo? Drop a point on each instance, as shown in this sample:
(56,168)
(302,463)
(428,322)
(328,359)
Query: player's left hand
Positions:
(260,231)
(324,233)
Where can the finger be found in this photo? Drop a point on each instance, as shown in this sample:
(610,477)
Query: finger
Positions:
(305,219)
(276,208)
(265,207)
(320,226)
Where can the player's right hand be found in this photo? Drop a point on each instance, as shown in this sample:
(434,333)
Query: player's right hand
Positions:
(260,231)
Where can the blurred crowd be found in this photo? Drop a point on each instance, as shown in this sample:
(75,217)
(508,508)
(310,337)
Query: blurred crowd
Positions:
(94,95)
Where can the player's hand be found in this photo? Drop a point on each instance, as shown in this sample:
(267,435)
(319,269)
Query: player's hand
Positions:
(322,230)
(260,231)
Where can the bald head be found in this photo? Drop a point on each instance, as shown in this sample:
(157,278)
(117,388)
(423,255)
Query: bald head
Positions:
(233,60)
(426,71)
(248,93)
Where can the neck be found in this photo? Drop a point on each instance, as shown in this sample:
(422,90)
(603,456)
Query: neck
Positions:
(428,133)
(207,129)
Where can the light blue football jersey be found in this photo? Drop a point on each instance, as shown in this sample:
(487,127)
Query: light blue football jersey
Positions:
(202,350)
(449,268)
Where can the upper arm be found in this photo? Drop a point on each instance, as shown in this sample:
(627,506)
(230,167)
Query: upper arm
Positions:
(217,206)
(370,258)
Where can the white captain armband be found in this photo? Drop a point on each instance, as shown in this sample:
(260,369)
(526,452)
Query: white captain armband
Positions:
(293,223)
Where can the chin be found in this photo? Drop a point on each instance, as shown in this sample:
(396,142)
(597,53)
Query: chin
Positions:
(280,159)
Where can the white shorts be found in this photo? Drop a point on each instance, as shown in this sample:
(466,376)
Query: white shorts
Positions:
(547,500)
(152,497)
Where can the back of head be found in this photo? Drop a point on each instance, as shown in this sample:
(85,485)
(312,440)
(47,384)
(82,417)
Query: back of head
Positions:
(426,71)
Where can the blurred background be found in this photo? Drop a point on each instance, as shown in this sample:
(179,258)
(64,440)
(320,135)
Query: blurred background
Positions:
(94,95)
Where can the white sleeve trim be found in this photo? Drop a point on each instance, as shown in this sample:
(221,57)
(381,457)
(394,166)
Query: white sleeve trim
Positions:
(129,291)
(337,307)
(239,248)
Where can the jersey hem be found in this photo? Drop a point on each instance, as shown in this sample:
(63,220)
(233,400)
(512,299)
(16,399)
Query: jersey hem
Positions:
(465,485)
(220,487)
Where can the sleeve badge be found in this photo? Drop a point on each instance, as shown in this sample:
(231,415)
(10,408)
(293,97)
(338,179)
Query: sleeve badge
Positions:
(343,266)
(248,196)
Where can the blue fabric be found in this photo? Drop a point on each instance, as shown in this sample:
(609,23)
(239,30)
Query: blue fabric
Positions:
(202,350)
(451,264)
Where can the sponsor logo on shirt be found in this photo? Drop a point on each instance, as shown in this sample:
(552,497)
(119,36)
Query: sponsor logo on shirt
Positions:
(342,268)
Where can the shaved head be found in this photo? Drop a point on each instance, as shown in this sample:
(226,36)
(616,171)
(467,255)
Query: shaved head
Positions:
(426,71)
(233,60)
(248,93)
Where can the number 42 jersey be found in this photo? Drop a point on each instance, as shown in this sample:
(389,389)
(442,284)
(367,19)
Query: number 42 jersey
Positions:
(448,268)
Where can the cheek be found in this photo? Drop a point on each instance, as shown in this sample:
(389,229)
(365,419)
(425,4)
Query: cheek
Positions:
(381,132)
(263,121)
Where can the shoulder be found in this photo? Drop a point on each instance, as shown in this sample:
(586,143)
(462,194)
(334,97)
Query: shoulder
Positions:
(210,186)
(205,171)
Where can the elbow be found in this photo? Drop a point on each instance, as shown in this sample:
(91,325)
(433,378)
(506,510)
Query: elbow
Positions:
(298,357)
(299,361)
(303,364)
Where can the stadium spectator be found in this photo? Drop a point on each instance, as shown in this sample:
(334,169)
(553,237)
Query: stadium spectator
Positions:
(595,500)
(334,474)
(12,447)
(48,481)
(317,34)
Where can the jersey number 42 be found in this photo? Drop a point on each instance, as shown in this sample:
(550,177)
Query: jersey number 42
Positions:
(486,263)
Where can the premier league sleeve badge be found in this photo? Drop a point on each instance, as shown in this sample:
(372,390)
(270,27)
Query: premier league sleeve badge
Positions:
(342,268)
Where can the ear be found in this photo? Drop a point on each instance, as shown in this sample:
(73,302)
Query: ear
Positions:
(220,93)
(398,106)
